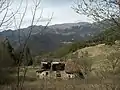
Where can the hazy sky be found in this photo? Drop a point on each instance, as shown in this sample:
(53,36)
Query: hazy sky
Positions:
(61,9)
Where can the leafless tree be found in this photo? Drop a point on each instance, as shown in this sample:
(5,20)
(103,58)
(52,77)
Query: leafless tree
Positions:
(24,45)
(7,13)
(99,10)
(114,62)
(9,17)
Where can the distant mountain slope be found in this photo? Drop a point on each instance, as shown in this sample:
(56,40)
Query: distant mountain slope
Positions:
(68,25)
(52,37)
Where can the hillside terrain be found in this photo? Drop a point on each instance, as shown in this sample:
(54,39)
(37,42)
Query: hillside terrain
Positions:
(52,37)
(92,51)
(103,57)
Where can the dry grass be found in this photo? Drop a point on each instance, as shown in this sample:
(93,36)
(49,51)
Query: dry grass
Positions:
(33,83)
(93,84)
(97,53)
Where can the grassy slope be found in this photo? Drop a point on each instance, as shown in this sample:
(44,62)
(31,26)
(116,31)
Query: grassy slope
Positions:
(98,54)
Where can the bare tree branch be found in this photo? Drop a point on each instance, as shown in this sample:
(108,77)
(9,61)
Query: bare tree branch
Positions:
(97,9)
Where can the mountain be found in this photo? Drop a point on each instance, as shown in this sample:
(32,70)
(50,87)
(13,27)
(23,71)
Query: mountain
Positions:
(50,38)
(68,25)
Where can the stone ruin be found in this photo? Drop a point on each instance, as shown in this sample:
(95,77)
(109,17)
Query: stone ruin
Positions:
(56,70)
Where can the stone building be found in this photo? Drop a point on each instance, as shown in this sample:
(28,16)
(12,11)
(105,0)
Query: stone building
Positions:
(63,70)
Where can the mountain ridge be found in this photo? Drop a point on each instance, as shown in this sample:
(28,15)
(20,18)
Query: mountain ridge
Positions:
(52,37)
